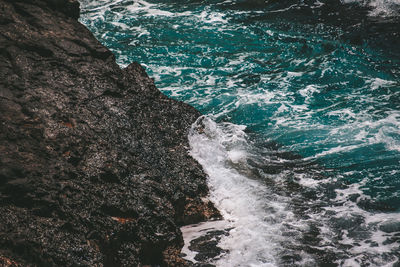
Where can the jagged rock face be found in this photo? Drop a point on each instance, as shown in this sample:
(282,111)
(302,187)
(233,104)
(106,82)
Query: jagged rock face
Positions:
(94,163)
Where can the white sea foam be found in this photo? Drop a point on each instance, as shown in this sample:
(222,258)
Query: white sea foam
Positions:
(377,83)
(192,232)
(309,90)
(254,213)
(294,74)
(366,130)
(212,17)
(373,242)
(147,8)
(385,8)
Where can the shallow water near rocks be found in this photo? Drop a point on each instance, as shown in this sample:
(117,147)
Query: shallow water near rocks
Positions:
(301,133)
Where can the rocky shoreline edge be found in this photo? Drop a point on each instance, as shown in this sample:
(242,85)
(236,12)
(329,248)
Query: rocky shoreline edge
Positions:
(94,165)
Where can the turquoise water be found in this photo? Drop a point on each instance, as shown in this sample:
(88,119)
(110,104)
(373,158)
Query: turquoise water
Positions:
(316,84)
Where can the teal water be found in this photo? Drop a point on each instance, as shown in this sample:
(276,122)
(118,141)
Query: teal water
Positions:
(317,86)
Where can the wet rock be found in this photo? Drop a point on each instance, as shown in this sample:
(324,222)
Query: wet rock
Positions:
(206,246)
(94,166)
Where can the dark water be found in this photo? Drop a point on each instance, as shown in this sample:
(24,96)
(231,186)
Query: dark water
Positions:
(302,135)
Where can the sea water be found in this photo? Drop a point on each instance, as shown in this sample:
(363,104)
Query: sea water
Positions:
(300,135)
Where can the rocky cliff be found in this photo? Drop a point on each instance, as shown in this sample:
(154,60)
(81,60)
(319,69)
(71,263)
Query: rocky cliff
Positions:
(94,163)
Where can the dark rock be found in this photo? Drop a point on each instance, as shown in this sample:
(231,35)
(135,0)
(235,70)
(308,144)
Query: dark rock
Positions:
(206,246)
(94,165)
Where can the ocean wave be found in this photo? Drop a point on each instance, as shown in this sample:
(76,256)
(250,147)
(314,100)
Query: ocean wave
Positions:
(253,241)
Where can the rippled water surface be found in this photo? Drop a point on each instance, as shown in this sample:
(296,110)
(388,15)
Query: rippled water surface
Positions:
(301,138)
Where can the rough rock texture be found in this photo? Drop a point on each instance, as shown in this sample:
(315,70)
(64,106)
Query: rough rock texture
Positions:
(94,163)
